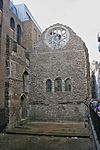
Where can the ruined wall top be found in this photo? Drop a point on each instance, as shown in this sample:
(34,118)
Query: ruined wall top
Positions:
(59,37)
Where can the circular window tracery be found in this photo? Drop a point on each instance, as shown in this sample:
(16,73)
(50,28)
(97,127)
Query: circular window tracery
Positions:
(57,36)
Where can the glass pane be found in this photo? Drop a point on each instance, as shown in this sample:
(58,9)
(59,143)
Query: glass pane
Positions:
(68,85)
(48,85)
(58,85)
(12,23)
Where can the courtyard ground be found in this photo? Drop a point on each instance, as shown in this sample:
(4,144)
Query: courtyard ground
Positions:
(46,136)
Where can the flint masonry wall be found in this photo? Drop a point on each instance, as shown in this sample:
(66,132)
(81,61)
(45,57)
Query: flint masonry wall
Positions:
(69,62)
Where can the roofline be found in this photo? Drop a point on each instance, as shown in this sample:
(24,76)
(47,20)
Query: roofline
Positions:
(33,19)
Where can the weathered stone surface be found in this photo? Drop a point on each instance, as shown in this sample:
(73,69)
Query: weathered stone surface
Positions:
(68,129)
(22,142)
(2,119)
(72,62)
(14,61)
(58,112)
(47,136)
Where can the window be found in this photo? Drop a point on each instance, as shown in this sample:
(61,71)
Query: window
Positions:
(48,85)
(58,84)
(12,23)
(25,82)
(1,4)
(98,37)
(68,85)
(18,34)
(23,106)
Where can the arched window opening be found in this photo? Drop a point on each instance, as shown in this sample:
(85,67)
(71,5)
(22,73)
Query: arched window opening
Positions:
(23,112)
(48,85)
(98,37)
(12,23)
(1,4)
(25,82)
(68,84)
(18,34)
(58,84)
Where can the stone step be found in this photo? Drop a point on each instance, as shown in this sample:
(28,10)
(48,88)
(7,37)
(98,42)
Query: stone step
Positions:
(31,142)
(69,129)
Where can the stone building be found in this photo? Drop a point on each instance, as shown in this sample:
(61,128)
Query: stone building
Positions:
(18,33)
(44,77)
(60,82)
(95,79)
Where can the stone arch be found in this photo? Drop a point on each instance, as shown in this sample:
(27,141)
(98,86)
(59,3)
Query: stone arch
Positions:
(19,34)
(12,23)
(25,77)
(68,84)
(23,107)
(48,85)
(58,84)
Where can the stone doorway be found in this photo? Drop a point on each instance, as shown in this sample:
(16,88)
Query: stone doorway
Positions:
(23,112)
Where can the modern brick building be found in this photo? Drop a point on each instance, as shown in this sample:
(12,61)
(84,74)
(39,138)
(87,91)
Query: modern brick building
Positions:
(18,33)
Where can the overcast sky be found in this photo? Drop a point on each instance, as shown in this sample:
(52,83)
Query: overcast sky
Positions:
(83,16)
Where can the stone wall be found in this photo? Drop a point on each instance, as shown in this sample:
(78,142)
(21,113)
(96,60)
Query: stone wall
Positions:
(18,65)
(29,38)
(72,62)
(14,61)
(58,112)
(3,121)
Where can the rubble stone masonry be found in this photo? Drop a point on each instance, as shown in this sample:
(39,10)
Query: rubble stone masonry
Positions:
(14,65)
(70,62)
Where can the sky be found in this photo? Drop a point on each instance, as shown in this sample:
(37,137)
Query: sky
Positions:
(82,16)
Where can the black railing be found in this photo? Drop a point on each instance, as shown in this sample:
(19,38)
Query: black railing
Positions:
(96,122)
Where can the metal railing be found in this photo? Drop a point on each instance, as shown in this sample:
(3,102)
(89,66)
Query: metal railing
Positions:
(96,122)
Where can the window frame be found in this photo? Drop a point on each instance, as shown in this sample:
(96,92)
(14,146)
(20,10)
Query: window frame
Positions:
(68,85)
(58,85)
(12,23)
(48,85)
(19,32)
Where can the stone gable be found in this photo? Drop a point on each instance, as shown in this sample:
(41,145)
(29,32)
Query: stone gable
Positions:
(69,62)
